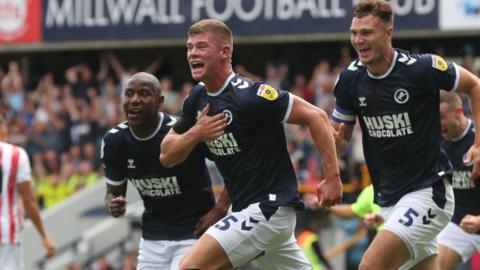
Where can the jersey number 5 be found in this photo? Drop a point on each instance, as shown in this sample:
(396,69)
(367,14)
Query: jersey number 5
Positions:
(410,212)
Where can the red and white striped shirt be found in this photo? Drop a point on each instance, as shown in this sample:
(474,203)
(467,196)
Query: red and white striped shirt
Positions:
(15,168)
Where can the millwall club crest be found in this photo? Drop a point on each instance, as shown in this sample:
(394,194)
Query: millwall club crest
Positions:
(13,18)
(228,115)
(401,96)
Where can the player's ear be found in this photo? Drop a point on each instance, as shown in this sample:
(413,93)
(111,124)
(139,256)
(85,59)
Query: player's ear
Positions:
(227,51)
(389,32)
(161,99)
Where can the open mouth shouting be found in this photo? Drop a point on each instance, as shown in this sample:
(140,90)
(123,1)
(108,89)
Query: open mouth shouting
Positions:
(196,66)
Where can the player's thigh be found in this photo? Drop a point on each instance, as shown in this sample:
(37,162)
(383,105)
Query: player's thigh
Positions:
(418,218)
(457,240)
(161,254)
(447,258)
(206,254)
(249,234)
(10,257)
(287,256)
(387,251)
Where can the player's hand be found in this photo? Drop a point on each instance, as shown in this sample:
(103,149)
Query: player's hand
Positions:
(207,220)
(209,128)
(473,157)
(329,192)
(50,249)
(117,206)
(470,223)
(373,220)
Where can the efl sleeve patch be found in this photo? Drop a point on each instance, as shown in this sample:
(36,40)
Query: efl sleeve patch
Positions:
(267,92)
(439,63)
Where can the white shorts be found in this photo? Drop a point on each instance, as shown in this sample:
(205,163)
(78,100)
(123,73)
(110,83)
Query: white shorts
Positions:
(162,254)
(247,235)
(10,257)
(460,241)
(417,219)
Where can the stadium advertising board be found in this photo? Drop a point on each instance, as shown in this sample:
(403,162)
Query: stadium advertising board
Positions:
(67,20)
(20,21)
(460,15)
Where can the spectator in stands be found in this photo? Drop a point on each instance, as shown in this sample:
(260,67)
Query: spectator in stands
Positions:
(242,123)
(16,189)
(395,96)
(123,73)
(179,202)
(461,238)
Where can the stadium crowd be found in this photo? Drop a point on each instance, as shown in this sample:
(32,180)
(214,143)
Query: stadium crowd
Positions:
(60,121)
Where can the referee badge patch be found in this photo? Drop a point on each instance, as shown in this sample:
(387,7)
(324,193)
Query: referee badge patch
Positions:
(267,92)
(439,63)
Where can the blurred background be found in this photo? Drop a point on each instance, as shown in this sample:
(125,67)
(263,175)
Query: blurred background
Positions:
(63,63)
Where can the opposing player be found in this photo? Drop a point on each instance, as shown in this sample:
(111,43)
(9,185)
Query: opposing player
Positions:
(15,184)
(461,238)
(242,122)
(395,95)
(178,201)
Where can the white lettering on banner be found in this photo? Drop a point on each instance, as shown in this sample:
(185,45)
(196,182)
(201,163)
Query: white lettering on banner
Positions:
(101,13)
(111,12)
(419,7)
(388,126)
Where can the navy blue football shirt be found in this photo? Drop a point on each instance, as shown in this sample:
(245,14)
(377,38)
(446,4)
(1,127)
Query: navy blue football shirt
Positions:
(400,120)
(174,198)
(251,155)
(467,193)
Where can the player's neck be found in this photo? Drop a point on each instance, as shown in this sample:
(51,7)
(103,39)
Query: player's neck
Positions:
(145,130)
(217,81)
(384,63)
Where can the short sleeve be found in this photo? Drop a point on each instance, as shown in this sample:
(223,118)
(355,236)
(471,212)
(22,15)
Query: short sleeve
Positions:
(111,159)
(344,111)
(269,104)
(446,74)
(24,171)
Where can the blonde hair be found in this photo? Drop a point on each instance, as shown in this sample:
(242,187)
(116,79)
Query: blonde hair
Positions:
(219,28)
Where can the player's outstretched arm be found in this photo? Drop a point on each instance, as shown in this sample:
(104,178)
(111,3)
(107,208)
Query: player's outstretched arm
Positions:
(27,194)
(214,215)
(115,201)
(343,211)
(470,84)
(175,147)
(329,191)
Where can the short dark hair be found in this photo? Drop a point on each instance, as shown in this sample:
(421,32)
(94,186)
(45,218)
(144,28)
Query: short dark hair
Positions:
(451,98)
(378,8)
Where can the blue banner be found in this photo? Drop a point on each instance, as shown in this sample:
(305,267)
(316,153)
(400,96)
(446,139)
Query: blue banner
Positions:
(69,20)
